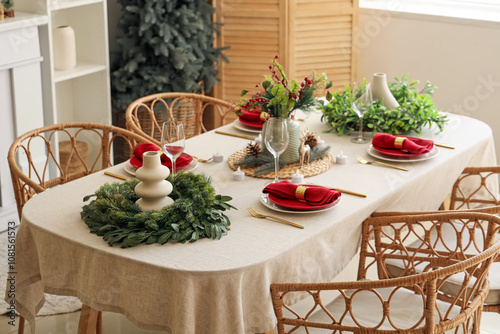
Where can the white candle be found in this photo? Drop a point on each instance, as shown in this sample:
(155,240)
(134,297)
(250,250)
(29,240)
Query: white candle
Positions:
(320,143)
(238,175)
(218,157)
(341,158)
(258,139)
(298,178)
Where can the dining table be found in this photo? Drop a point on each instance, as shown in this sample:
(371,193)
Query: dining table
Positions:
(222,286)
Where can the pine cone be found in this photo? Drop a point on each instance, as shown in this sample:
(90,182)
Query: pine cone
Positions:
(253,149)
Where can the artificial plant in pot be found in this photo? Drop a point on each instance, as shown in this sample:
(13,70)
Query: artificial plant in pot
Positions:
(8,8)
(166,46)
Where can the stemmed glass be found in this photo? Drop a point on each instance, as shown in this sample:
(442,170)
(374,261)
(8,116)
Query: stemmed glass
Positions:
(361,103)
(276,140)
(172,141)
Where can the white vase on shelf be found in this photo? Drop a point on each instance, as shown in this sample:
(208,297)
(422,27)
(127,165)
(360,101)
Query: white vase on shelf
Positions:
(381,91)
(153,189)
(64,46)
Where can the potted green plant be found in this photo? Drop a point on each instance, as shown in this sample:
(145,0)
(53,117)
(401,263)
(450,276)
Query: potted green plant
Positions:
(8,8)
(166,46)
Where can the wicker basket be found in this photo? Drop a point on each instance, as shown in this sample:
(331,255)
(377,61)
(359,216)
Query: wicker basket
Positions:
(74,165)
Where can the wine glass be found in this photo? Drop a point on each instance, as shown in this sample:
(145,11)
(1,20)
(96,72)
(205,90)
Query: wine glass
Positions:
(172,141)
(361,103)
(276,140)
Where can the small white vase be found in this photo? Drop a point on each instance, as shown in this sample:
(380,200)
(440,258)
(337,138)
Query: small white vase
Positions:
(153,188)
(381,91)
(64,46)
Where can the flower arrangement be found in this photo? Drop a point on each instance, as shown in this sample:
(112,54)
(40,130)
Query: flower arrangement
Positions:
(279,96)
(415,110)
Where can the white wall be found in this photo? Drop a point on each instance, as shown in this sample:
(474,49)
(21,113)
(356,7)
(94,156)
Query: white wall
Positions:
(462,57)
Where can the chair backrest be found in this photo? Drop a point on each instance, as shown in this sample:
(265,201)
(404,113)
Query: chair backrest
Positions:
(476,187)
(384,301)
(56,154)
(453,235)
(146,115)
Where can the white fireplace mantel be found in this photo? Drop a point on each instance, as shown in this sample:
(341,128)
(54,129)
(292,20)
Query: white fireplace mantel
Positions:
(21,102)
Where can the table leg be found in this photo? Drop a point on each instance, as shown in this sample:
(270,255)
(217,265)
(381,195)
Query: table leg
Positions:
(88,320)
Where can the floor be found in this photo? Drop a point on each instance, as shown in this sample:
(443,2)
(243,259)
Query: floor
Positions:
(116,323)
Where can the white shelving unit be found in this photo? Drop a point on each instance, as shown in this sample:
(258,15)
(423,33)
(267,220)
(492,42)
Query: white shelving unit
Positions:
(81,94)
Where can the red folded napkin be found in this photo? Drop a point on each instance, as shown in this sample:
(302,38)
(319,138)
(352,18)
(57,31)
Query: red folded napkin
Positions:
(313,195)
(254,116)
(408,144)
(136,161)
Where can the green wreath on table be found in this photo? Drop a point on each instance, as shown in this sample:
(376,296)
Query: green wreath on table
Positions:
(197,212)
(416,109)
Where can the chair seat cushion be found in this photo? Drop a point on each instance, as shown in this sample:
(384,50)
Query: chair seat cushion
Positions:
(406,310)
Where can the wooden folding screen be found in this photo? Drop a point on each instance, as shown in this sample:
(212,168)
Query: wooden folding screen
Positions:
(307,34)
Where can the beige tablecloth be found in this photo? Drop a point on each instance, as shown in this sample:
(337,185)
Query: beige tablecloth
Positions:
(222,286)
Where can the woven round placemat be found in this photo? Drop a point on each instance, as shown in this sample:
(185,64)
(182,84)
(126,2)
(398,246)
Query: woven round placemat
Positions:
(313,168)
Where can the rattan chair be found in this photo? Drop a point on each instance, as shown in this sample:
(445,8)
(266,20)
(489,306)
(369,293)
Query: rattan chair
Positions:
(475,190)
(146,115)
(56,154)
(411,303)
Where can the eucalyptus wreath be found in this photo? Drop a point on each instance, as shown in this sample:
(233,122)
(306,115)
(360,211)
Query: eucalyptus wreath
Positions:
(416,109)
(197,212)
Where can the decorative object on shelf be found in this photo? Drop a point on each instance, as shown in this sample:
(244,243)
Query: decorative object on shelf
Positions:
(166,46)
(381,91)
(280,97)
(8,8)
(197,212)
(415,111)
(153,189)
(64,46)
(1,12)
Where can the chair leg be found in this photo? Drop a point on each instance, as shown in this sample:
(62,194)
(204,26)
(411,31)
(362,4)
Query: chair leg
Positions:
(88,320)
(98,329)
(20,329)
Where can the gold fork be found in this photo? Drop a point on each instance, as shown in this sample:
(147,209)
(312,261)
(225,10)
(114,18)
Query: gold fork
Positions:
(366,162)
(261,216)
(202,160)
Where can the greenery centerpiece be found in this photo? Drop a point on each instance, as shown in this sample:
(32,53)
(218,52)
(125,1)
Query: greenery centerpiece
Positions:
(280,97)
(197,212)
(416,109)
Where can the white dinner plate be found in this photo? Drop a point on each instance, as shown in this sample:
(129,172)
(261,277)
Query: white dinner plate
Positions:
(264,199)
(240,126)
(376,154)
(189,167)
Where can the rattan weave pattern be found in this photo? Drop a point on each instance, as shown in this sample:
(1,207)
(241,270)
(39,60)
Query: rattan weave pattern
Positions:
(313,168)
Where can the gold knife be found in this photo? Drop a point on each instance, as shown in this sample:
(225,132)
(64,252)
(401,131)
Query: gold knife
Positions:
(235,135)
(117,176)
(445,146)
(344,191)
